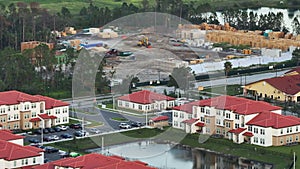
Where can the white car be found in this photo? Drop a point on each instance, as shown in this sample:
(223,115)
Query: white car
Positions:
(63,128)
(124,126)
(54,137)
(94,130)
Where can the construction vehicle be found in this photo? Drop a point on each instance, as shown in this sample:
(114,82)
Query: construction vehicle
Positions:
(144,42)
(115,52)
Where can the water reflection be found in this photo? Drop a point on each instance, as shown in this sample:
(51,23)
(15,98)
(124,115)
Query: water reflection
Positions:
(170,156)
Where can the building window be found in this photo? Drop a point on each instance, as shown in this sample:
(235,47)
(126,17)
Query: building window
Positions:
(207,111)
(281,131)
(291,129)
(291,139)
(296,128)
(255,130)
(262,141)
(181,115)
(202,119)
(207,130)
(218,121)
(249,128)
(287,130)
(175,114)
(26,161)
(237,117)
(120,103)
(218,131)
(255,140)
(33,105)
(281,141)
(189,116)
(207,121)
(236,125)
(262,131)
(219,112)
(227,125)
(33,114)
(34,160)
(16,107)
(8,108)
(181,125)
(15,163)
(202,109)
(287,139)
(175,123)
(228,115)
(22,162)
(297,138)
(140,107)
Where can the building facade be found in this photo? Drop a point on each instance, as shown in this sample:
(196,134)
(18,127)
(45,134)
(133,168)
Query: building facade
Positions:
(283,88)
(145,101)
(238,119)
(13,154)
(23,111)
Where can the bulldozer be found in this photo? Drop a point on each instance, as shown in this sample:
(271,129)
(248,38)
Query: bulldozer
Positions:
(144,42)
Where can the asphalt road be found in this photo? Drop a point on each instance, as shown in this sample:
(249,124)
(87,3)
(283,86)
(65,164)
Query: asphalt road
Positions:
(239,80)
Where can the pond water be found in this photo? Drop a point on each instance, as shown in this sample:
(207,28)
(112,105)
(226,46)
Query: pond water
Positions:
(288,15)
(170,156)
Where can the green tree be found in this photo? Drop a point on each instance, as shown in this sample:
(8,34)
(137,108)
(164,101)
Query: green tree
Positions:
(227,67)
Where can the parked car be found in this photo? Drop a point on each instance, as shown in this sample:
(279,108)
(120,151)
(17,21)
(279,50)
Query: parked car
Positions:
(47,138)
(45,131)
(124,126)
(76,126)
(49,149)
(81,133)
(66,135)
(63,128)
(94,130)
(54,137)
(57,129)
(74,154)
(33,140)
(46,160)
(136,124)
(38,131)
(63,154)
(50,130)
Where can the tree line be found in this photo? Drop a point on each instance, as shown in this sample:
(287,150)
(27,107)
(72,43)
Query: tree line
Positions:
(25,22)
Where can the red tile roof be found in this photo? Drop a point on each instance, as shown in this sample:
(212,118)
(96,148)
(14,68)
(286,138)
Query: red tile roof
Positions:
(95,161)
(200,124)
(36,119)
(188,108)
(15,97)
(249,134)
(269,119)
(10,151)
(237,131)
(52,103)
(160,118)
(46,116)
(6,135)
(190,121)
(145,97)
(237,104)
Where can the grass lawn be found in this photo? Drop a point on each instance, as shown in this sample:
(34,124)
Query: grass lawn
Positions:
(230,90)
(281,157)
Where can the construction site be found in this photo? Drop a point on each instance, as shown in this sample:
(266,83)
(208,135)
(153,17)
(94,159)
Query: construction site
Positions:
(152,56)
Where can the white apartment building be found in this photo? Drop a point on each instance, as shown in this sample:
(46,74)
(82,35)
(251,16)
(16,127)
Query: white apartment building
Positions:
(237,119)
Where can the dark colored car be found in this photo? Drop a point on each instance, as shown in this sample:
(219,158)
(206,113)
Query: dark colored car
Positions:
(136,124)
(50,130)
(66,135)
(47,139)
(49,149)
(79,133)
(76,126)
(38,131)
(45,131)
(33,140)
(46,160)
(57,129)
